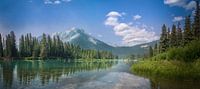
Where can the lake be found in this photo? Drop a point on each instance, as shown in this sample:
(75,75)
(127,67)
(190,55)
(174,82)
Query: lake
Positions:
(64,74)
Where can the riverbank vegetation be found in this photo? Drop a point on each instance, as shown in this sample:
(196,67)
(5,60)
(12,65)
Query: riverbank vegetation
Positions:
(178,54)
(45,47)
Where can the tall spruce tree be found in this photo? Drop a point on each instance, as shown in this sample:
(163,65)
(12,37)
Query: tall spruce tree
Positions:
(187,35)
(21,46)
(163,39)
(168,37)
(155,49)
(196,24)
(150,51)
(43,52)
(8,46)
(13,44)
(49,41)
(173,37)
(1,46)
(179,36)
(36,48)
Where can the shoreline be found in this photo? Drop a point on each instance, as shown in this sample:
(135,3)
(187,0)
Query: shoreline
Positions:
(170,70)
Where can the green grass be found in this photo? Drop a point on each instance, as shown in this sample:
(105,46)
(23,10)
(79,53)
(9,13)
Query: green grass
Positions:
(177,63)
(188,53)
(165,69)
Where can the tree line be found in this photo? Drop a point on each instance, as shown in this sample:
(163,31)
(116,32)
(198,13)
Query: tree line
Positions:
(176,36)
(46,47)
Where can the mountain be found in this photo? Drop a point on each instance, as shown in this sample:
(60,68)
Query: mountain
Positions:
(80,37)
(140,49)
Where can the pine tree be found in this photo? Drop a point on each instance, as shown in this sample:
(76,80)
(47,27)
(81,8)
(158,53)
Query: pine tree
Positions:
(163,39)
(36,48)
(173,37)
(49,41)
(8,46)
(179,36)
(150,51)
(13,45)
(21,46)
(196,27)
(1,46)
(187,36)
(43,51)
(155,49)
(168,38)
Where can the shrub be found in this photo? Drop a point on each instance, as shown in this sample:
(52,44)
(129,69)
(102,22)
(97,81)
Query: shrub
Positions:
(189,53)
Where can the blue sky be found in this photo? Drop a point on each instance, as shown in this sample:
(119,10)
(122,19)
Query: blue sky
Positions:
(117,22)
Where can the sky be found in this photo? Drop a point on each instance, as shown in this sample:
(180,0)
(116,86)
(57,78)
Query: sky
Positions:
(116,22)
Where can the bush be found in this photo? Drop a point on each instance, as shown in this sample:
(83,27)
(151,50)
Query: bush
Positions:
(162,56)
(189,53)
(165,69)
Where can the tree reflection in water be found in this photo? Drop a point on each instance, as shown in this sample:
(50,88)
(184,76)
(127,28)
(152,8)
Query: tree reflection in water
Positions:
(46,71)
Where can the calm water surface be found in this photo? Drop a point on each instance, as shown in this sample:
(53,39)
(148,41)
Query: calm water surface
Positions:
(63,74)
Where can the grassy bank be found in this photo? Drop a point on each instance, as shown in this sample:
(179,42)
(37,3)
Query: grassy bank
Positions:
(176,63)
(168,69)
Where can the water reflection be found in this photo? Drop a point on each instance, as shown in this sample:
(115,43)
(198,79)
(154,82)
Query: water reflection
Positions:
(23,73)
(174,84)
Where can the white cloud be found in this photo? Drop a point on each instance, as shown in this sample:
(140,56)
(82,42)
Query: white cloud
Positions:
(187,4)
(121,27)
(190,5)
(137,17)
(114,14)
(55,1)
(171,1)
(178,18)
(131,35)
(99,35)
(111,21)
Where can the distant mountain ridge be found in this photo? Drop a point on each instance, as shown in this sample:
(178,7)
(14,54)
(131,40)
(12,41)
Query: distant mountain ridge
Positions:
(80,37)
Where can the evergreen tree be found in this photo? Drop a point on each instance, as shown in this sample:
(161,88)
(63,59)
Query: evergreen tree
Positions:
(163,39)
(36,48)
(43,51)
(187,35)
(173,37)
(1,46)
(168,38)
(21,46)
(49,41)
(13,45)
(150,51)
(179,36)
(196,27)
(8,46)
(155,49)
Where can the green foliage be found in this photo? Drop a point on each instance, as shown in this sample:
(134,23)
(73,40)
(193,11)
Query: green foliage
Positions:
(187,35)
(150,51)
(1,47)
(132,56)
(189,53)
(168,69)
(161,56)
(31,48)
(196,24)
(163,39)
(44,50)
(173,37)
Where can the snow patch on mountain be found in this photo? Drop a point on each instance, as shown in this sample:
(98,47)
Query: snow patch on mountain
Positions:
(92,40)
(144,46)
(69,35)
